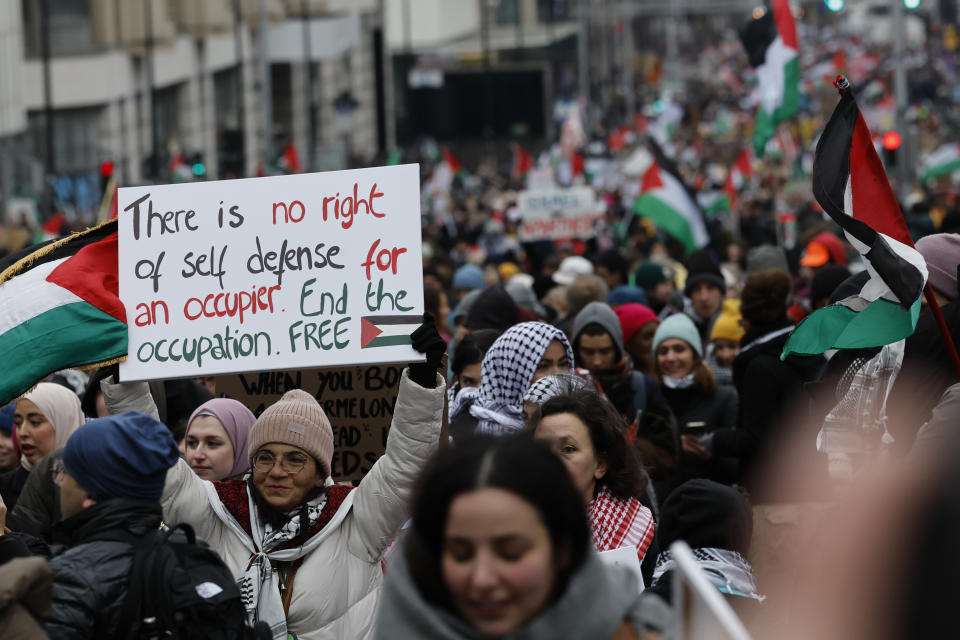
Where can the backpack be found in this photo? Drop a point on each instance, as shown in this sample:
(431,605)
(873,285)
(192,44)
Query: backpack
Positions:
(180,589)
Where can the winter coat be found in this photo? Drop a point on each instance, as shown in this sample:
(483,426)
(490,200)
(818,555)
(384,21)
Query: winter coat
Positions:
(11,484)
(770,391)
(24,597)
(596,602)
(717,411)
(38,508)
(337,587)
(90,579)
(925,375)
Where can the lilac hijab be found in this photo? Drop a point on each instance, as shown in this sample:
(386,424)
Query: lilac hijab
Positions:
(237,420)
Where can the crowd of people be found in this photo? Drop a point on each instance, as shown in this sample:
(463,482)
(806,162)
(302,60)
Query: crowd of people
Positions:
(582,405)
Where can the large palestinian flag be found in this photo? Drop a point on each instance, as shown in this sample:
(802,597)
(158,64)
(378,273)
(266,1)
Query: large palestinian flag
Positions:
(665,201)
(59,308)
(851,186)
(771,44)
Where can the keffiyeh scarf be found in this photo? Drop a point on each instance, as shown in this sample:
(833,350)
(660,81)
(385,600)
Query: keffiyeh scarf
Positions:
(727,570)
(507,373)
(617,523)
(260,582)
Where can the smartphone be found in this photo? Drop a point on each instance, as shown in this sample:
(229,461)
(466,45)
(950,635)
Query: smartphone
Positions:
(696,428)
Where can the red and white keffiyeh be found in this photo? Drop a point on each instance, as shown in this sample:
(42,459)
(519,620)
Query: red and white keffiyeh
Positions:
(618,523)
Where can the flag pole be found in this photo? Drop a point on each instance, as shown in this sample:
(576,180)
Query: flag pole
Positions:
(942,326)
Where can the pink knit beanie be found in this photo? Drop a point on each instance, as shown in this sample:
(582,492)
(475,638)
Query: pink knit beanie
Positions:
(296,419)
(941,251)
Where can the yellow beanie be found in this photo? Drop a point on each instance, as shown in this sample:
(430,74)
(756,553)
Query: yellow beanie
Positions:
(727,326)
(508,270)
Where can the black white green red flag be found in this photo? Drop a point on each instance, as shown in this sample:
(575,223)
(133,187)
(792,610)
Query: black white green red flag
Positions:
(850,184)
(771,45)
(60,308)
(664,199)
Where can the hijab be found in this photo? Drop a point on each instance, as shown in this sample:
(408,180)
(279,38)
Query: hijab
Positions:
(237,421)
(507,373)
(61,407)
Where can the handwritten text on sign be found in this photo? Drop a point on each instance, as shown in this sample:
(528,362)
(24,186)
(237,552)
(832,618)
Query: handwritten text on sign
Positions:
(558,213)
(359,402)
(297,271)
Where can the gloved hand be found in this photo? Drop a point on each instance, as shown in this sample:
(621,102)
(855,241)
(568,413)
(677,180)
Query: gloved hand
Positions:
(426,339)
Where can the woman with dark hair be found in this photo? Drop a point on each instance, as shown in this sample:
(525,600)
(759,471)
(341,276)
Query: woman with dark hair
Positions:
(587,434)
(698,403)
(500,548)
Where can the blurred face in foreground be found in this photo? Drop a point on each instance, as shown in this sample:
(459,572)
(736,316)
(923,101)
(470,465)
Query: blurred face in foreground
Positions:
(497,561)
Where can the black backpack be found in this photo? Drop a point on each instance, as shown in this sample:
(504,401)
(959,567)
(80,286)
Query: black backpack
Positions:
(180,589)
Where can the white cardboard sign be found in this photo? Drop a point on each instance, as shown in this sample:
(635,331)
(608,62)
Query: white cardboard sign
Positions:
(558,213)
(286,272)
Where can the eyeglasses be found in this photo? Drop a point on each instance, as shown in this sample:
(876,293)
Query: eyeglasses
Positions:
(57,472)
(290,462)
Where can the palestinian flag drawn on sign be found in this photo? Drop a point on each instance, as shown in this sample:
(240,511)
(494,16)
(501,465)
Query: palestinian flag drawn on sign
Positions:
(851,186)
(771,44)
(60,308)
(665,201)
(941,162)
(387,331)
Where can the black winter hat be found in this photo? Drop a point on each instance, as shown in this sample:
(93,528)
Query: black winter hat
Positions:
(702,268)
(493,309)
(704,513)
(826,280)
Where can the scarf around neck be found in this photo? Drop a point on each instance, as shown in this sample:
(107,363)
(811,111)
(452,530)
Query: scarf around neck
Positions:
(233,504)
(617,522)
(727,570)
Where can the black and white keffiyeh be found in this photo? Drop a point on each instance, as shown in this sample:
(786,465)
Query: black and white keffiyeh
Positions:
(507,373)
(554,385)
(727,570)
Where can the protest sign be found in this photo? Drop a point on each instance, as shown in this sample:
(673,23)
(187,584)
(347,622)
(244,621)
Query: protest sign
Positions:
(358,400)
(287,272)
(558,213)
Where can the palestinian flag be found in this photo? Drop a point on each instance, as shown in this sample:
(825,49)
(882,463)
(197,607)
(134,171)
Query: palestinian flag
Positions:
(387,331)
(851,186)
(452,161)
(522,162)
(771,44)
(665,201)
(60,308)
(739,173)
(941,162)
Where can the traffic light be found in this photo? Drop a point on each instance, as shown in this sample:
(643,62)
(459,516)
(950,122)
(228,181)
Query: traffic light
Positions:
(197,166)
(835,5)
(106,173)
(891,142)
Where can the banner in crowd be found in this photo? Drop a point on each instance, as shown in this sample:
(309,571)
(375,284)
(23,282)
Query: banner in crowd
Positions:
(358,401)
(287,272)
(558,213)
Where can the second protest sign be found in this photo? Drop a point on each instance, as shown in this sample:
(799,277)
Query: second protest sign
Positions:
(257,274)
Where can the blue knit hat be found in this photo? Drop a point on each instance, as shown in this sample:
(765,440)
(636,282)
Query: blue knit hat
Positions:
(6,417)
(678,326)
(469,276)
(625,294)
(121,456)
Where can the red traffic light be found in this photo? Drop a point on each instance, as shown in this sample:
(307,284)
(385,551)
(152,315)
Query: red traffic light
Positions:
(891,140)
(106,169)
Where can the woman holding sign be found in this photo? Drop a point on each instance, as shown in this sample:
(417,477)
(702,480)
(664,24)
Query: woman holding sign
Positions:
(500,548)
(306,552)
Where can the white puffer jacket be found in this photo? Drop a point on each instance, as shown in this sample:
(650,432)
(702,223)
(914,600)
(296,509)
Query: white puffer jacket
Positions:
(337,587)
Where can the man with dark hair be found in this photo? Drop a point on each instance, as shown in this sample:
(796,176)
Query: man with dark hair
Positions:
(706,288)
(598,347)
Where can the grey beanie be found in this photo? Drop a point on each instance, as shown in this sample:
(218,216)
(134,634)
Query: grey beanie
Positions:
(600,313)
(678,326)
